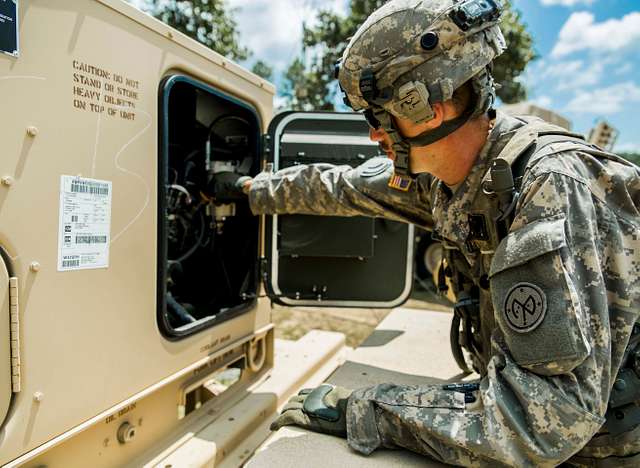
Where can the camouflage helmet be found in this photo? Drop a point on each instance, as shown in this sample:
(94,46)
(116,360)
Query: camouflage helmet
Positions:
(410,54)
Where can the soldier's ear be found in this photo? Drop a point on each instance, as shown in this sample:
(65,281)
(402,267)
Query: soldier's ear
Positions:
(441,112)
(439,115)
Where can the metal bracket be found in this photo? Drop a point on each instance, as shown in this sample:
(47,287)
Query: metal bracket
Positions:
(267,144)
(15,334)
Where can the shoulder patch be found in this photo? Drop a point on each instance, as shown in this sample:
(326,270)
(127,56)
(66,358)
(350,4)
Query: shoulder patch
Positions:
(375,166)
(525,307)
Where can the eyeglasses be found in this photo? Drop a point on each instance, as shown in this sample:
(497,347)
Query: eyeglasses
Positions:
(371,119)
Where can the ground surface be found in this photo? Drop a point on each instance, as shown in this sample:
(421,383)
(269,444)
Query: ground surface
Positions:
(357,324)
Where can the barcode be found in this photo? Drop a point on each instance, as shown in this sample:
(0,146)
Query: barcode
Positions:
(70,263)
(94,188)
(74,218)
(86,239)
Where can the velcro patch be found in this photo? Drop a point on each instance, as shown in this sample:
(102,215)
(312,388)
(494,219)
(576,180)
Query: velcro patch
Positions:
(525,307)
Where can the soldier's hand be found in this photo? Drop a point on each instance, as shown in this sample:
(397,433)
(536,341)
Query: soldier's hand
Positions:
(321,409)
(229,186)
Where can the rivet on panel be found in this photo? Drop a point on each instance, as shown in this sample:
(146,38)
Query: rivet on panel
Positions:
(7,180)
(38,396)
(34,266)
(32,131)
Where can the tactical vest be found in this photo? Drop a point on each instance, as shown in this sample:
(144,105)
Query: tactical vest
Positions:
(490,218)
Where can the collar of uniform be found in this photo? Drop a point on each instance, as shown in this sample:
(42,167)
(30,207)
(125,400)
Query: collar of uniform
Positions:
(451,212)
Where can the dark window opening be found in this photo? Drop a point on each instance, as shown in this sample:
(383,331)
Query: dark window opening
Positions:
(207,246)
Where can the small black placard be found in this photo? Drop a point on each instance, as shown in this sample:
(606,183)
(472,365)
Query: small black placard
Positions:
(9,27)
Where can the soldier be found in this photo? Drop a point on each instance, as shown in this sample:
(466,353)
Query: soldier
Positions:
(545,268)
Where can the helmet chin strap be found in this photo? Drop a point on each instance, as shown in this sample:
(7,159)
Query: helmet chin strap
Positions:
(401,145)
(446,128)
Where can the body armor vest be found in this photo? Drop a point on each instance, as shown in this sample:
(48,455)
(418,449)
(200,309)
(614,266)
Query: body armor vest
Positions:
(466,268)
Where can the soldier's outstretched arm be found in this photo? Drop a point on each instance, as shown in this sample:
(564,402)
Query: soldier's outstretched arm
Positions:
(565,294)
(325,189)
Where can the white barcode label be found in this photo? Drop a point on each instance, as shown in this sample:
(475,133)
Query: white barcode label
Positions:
(85,223)
(94,188)
(69,262)
(91,239)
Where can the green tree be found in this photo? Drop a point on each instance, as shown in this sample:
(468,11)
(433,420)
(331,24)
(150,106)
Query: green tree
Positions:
(309,82)
(263,70)
(631,156)
(210,22)
(513,61)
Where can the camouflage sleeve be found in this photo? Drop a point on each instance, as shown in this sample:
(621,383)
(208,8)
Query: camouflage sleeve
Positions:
(325,189)
(565,293)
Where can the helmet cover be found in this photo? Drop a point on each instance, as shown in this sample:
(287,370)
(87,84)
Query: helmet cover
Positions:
(418,52)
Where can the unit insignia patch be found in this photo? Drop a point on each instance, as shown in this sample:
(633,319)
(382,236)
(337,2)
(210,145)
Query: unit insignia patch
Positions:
(375,167)
(525,307)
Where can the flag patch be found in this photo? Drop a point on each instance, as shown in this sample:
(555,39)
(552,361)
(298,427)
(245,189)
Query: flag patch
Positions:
(399,183)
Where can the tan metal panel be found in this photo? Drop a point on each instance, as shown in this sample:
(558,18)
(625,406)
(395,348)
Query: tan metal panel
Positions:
(89,337)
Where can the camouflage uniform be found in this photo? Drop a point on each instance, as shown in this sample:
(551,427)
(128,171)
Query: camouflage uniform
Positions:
(573,247)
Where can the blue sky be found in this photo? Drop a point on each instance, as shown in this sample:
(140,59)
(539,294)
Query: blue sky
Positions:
(589,65)
(588,69)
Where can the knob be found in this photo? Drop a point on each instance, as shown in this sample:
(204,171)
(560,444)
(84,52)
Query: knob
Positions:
(126,433)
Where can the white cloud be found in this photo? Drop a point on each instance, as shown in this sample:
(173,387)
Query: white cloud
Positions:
(543,101)
(567,3)
(605,100)
(273,29)
(575,73)
(581,32)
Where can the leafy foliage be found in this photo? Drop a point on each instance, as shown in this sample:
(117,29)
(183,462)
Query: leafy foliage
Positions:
(633,157)
(309,81)
(263,70)
(513,61)
(210,22)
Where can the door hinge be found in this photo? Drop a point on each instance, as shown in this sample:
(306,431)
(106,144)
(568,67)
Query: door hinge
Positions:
(14,312)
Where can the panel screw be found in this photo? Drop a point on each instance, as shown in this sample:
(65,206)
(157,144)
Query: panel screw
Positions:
(35,267)
(38,396)
(32,131)
(7,180)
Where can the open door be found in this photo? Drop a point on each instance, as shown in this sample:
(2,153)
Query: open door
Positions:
(329,260)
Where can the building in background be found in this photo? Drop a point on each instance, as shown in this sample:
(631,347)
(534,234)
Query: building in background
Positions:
(529,108)
(604,135)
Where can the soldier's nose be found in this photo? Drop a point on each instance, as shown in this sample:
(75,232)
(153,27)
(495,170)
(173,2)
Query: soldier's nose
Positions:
(376,134)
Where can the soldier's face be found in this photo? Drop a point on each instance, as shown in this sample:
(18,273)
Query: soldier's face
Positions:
(408,129)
